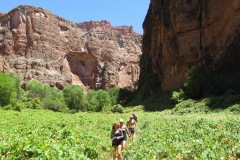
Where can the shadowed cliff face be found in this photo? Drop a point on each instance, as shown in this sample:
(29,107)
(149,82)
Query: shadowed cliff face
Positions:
(179,35)
(35,44)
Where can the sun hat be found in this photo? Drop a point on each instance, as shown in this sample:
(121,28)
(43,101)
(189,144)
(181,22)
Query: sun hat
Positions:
(121,120)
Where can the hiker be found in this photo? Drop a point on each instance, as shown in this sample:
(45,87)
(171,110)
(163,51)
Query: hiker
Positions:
(116,136)
(131,125)
(125,132)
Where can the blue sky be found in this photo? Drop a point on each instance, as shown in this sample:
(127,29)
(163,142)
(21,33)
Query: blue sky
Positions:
(117,12)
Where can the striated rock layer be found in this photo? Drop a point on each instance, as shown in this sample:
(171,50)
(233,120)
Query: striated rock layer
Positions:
(35,44)
(2,14)
(102,26)
(179,35)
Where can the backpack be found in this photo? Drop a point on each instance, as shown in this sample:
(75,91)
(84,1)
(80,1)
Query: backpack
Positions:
(135,117)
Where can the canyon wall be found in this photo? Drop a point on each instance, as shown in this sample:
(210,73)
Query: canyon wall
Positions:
(102,26)
(36,44)
(179,35)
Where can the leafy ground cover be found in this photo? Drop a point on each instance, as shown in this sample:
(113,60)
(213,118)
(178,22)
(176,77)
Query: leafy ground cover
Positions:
(43,134)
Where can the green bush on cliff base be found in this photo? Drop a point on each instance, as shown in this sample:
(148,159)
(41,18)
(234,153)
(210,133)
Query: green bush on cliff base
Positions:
(207,91)
(204,92)
(205,83)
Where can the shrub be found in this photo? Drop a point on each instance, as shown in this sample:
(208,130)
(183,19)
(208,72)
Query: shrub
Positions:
(7,107)
(223,102)
(190,106)
(32,103)
(117,108)
(17,108)
(36,104)
(206,83)
(234,109)
(55,104)
(177,96)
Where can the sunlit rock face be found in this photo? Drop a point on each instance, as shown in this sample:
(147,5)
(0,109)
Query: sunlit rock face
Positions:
(36,44)
(179,35)
(102,26)
(117,58)
(2,14)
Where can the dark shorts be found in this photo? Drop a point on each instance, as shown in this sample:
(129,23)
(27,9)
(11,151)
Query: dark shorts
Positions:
(116,143)
(131,131)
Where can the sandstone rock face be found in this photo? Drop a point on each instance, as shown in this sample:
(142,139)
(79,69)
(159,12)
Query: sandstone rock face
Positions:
(102,26)
(116,51)
(35,44)
(117,59)
(179,35)
(2,14)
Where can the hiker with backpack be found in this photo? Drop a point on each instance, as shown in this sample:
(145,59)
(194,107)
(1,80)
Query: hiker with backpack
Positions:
(134,117)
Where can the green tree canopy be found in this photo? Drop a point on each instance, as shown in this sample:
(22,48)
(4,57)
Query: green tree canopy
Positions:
(9,88)
(73,95)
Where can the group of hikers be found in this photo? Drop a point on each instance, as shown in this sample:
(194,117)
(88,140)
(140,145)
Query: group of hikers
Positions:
(119,135)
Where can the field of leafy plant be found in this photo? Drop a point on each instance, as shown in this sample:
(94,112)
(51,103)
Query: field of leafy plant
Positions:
(43,134)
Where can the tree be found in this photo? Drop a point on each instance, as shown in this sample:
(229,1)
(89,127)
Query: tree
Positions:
(36,89)
(9,88)
(104,100)
(91,101)
(51,98)
(114,95)
(73,95)
(54,99)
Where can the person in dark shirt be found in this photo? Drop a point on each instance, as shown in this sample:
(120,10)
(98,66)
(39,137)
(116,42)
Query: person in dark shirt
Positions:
(116,136)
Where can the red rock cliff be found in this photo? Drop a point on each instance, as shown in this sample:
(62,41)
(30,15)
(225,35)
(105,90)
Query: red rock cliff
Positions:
(181,34)
(35,44)
(102,26)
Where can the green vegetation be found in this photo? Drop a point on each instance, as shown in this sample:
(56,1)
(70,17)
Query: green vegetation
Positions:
(71,99)
(204,92)
(46,97)
(73,96)
(43,134)
(202,136)
(9,89)
(199,121)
